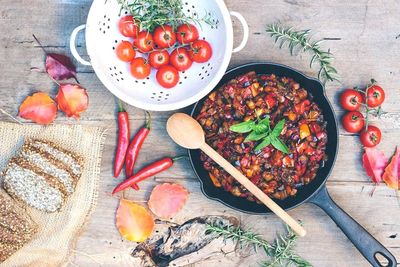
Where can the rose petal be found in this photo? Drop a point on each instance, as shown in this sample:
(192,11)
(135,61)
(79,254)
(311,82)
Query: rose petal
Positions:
(39,107)
(133,221)
(166,199)
(392,171)
(72,99)
(374,162)
(60,67)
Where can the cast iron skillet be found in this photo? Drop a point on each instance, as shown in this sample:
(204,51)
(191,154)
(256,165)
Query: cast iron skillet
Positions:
(316,191)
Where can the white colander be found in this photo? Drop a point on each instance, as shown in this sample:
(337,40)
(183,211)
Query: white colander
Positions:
(102,35)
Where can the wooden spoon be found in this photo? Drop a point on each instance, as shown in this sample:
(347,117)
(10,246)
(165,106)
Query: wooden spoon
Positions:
(187,132)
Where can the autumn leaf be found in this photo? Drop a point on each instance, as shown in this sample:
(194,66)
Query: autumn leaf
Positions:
(72,99)
(59,67)
(133,221)
(392,171)
(166,199)
(39,108)
(374,162)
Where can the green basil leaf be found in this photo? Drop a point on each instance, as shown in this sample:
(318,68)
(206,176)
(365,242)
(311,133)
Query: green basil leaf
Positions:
(263,144)
(278,144)
(278,128)
(265,121)
(261,128)
(255,136)
(243,127)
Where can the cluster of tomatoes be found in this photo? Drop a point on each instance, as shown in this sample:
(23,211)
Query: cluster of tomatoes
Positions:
(354,121)
(156,44)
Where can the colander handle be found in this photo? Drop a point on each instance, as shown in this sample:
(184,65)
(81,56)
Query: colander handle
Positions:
(72,47)
(245,31)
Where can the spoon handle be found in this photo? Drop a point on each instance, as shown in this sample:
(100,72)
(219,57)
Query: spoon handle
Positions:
(254,189)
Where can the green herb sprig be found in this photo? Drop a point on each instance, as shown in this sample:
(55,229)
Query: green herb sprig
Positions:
(261,130)
(281,251)
(151,13)
(301,41)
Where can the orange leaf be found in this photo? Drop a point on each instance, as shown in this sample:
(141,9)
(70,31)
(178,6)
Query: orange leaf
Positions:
(39,107)
(133,221)
(166,199)
(72,99)
(392,171)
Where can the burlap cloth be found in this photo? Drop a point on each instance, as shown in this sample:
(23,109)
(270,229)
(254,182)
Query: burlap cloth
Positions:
(58,232)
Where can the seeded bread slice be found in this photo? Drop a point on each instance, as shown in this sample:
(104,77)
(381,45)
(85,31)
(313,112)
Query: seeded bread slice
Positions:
(16,226)
(48,164)
(28,184)
(69,159)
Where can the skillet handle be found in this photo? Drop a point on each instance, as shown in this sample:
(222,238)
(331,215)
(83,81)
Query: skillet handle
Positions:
(368,246)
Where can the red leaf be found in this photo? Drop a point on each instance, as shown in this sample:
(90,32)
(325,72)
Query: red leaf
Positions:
(166,199)
(72,99)
(392,171)
(374,162)
(39,107)
(60,67)
(133,221)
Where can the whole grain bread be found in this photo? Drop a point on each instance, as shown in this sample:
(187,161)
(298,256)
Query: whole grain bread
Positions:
(16,226)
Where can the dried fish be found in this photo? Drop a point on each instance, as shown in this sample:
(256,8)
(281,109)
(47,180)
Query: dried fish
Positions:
(179,241)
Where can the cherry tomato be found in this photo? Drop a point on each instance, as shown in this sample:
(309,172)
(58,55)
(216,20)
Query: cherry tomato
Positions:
(125,51)
(200,51)
(128,26)
(167,76)
(375,96)
(140,68)
(353,122)
(164,36)
(187,33)
(158,58)
(180,59)
(370,137)
(144,42)
(351,100)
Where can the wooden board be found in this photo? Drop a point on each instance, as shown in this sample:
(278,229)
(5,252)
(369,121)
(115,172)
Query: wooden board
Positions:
(363,35)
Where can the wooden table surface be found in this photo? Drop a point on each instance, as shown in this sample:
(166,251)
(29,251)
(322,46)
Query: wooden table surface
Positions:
(363,36)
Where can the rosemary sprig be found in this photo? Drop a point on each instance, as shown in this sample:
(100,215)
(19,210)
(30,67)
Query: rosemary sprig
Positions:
(281,251)
(301,41)
(151,13)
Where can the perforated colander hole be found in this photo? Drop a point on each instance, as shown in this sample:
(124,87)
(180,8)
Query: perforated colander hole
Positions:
(104,24)
(117,74)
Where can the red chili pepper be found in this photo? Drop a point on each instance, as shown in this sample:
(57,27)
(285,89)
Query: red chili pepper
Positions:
(134,147)
(146,172)
(123,139)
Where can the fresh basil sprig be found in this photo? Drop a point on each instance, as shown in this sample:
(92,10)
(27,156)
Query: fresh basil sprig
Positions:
(261,130)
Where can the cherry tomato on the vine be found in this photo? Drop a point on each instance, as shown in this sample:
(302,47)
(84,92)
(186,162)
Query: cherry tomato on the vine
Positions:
(167,76)
(140,68)
(187,33)
(158,58)
(164,36)
(370,137)
(353,122)
(180,59)
(128,27)
(375,96)
(144,42)
(200,51)
(125,51)
(351,100)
